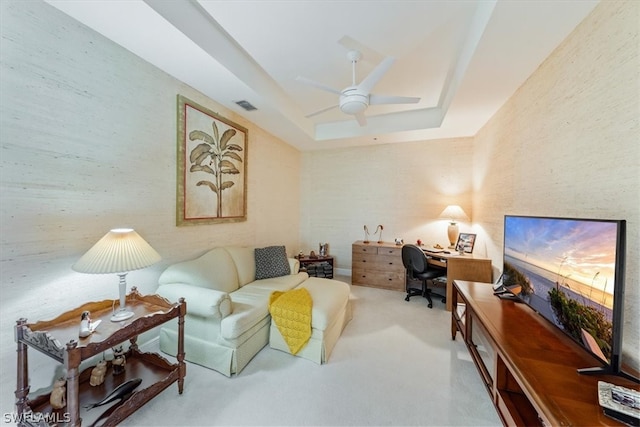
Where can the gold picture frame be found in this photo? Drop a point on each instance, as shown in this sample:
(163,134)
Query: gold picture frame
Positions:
(212,167)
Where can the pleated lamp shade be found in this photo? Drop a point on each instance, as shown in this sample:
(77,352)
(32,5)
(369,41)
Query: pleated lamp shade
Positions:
(119,251)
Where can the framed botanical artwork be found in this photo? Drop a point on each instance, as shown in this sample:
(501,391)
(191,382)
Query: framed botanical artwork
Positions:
(212,167)
(465,244)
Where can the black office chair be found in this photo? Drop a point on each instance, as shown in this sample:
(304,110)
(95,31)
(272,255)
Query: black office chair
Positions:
(417,268)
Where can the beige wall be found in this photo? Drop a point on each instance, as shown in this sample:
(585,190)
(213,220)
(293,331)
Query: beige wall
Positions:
(568,143)
(88,136)
(403,187)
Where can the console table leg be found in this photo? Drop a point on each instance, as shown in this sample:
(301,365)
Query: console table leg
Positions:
(180,355)
(72,362)
(22,387)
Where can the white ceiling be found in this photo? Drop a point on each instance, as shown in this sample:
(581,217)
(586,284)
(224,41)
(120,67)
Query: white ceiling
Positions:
(463,59)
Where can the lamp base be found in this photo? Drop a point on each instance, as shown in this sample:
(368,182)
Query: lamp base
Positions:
(122,314)
(452,234)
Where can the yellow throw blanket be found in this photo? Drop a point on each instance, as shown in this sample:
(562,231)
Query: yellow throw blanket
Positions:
(291,311)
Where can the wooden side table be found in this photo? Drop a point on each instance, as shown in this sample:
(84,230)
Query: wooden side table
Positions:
(323,266)
(154,370)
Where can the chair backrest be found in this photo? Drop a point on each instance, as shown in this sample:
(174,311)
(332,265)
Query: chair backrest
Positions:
(414,259)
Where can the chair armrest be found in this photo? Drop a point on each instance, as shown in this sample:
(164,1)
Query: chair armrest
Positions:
(294,265)
(200,301)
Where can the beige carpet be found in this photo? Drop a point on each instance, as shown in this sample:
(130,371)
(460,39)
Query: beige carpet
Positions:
(395,364)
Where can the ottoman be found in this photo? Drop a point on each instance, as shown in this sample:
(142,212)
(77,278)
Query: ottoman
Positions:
(330,314)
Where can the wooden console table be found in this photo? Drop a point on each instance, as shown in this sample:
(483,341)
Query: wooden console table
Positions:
(155,371)
(528,366)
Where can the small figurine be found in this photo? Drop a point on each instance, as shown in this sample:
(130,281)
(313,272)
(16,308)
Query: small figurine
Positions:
(324,249)
(119,361)
(85,324)
(58,398)
(98,373)
(380,227)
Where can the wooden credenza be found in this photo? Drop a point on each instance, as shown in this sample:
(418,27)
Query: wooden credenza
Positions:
(377,265)
(528,366)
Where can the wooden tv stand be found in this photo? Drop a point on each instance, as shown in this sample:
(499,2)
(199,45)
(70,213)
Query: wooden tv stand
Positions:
(528,366)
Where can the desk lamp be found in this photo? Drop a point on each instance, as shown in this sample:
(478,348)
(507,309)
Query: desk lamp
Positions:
(120,250)
(453,213)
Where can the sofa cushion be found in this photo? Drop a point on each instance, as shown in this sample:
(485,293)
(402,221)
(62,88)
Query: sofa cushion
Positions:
(271,262)
(214,270)
(245,261)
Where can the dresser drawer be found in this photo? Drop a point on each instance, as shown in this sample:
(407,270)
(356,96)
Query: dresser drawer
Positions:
(378,279)
(365,249)
(396,252)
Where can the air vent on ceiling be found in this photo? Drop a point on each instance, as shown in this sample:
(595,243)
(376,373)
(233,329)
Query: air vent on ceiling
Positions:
(246,105)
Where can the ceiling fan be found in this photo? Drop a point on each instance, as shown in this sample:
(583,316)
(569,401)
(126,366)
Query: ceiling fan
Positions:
(355,99)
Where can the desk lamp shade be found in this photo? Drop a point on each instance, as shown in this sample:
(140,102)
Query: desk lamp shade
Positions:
(453,213)
(120,250)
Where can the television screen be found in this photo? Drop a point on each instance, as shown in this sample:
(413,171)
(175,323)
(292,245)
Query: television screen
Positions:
(571,271)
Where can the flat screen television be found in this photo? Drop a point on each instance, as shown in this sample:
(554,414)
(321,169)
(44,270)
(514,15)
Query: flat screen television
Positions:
(571,272)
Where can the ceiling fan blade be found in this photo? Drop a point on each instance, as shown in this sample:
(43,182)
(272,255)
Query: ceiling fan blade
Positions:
(374,76)
(383,99)
(321,111)
(362,120)
(317,85)
(368,55)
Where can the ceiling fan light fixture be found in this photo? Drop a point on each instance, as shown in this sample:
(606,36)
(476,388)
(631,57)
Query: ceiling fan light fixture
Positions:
(353,103)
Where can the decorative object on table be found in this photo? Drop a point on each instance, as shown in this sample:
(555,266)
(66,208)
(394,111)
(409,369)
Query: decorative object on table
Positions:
(119,361)
(366,234)
(453,213)
(465,244)
(300,254)
(312,254)
(379,228)
(120,250)
(123,391)
(419,242)
(58,397)
(85,324)
(212,153)
(620,403)
(324,249)
(399,241)
(98,373)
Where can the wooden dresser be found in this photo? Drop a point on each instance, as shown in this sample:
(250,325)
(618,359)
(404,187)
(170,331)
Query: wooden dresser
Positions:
(377,265)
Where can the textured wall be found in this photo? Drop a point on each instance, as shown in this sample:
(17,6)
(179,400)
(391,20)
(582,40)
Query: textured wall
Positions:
(404,187)
(88,144)
(568,143)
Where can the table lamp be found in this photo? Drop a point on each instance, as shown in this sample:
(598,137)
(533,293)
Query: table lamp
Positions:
(453,213)
(120,250)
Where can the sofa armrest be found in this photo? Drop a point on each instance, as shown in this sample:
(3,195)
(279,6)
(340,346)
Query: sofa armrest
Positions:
(294,265)
(200,301)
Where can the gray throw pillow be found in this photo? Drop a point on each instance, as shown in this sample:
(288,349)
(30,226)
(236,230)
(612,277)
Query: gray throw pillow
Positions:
(271,262)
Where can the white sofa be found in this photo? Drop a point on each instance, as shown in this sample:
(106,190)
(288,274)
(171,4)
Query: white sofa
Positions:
(227,319)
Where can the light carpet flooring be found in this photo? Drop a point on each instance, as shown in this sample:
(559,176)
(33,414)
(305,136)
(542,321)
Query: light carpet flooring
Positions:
(395,364)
